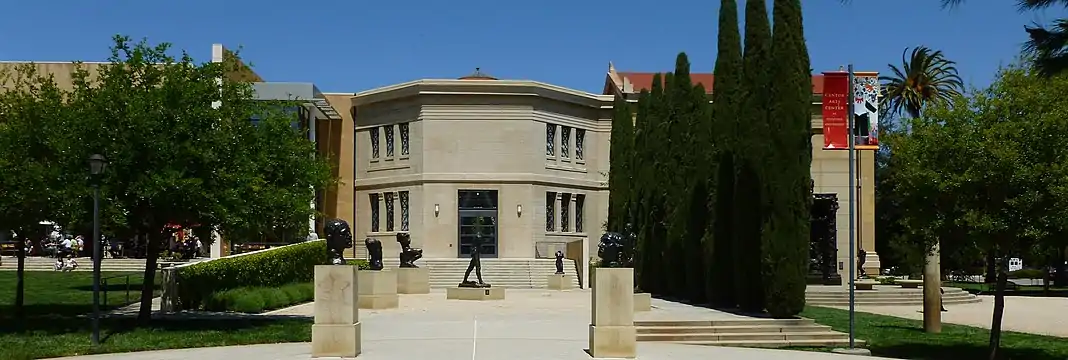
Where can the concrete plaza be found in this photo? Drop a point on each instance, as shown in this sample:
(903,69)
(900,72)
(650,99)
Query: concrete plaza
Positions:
(528,324)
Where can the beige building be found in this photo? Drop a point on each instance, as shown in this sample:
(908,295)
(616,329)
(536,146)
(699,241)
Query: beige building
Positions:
(431,156)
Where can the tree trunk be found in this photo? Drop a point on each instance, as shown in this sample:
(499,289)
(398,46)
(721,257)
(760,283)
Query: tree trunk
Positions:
(932,294)
(999,313)
(20,277)
(991,269)
(155,237)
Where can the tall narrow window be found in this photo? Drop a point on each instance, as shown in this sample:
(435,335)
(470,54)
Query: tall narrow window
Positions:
(580,137)
(389,211)
(404,203)
(389,140)
(550,211)
(550,139)
(374,142)
(374,212)
(565,205)
(565,137)
(580,204)
(404,138)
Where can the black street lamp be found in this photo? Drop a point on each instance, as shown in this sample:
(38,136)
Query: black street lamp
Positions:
(97,165)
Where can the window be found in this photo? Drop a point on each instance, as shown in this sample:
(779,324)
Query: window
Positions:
(550,210)
(389,211)
(404,138)
(374,142)
(404,203)
(389,140)
(565,205)
(580,203)
(550,140)
(580,137)
(565,137)
(374,212)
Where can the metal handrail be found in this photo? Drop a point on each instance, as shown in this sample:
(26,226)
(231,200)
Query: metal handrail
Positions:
(126,280)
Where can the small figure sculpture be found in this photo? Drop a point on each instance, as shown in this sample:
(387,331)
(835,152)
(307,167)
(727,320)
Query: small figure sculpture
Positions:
(630,243)
(609,250)
(374,251)
(408,254)
(475,264)
(338,238)
(559,262)
(861,258)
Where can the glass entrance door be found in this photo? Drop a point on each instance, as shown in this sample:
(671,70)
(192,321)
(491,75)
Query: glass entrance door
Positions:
(473,206)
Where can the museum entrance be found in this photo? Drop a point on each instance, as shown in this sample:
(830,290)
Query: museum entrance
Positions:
(477,214)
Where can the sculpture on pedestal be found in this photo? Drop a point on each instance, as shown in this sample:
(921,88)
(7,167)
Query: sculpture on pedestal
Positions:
(475,264)
(374,252)
(862,256)
(338,238)
(560,262)
(408,254)
(610,250)
(630,244)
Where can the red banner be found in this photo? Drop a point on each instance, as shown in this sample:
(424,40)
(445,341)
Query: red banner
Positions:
(836,110)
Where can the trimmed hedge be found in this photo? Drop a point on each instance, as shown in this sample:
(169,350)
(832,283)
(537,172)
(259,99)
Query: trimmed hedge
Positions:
(273,268)
(256,300)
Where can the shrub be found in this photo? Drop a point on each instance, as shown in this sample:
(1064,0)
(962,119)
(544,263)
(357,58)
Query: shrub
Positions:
(259,299)
(272,268)
(1027,274)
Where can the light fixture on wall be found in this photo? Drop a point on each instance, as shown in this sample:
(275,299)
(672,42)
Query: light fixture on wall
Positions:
(437,209)
(519,209)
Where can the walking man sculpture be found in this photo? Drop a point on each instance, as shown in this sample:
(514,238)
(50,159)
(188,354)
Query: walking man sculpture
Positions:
(475,264)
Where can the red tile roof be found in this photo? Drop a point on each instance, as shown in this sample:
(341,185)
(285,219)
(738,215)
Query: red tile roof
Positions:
(644,80)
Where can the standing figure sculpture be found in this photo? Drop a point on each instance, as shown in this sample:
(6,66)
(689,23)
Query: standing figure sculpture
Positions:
(610,250)
(374,251)
(862,256)
(475,264)
(559,262)
(338,238)
(630,244)
(408,254)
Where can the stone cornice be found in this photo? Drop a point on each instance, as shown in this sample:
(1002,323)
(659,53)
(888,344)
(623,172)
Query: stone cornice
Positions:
(481,87)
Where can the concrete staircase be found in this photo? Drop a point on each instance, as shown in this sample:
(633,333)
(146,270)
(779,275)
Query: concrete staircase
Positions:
(505,273)
(34,263)
(883,295)
(769,333)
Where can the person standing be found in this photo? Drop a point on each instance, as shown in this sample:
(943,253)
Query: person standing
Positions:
(65,247)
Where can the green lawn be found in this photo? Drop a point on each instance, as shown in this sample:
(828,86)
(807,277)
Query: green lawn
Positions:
(56,325)
(903,338)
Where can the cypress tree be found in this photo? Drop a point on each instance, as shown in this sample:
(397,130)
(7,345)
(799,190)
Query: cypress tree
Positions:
(787,229)
(640,162)
(658,160)
(748,187)
(725,106)
(620,173)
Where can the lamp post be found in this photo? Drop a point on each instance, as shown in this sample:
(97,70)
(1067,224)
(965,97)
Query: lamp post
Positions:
(97,165)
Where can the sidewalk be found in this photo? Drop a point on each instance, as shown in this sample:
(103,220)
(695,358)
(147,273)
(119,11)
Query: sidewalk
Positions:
(1035,315)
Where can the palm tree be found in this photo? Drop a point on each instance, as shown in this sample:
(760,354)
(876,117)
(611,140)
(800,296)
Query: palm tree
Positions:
(1048,45)
(925,77)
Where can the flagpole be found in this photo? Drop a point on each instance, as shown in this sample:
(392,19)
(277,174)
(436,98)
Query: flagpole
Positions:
(852,211)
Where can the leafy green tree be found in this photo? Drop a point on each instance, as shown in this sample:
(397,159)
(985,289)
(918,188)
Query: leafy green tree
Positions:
(750,204)
(786,232)
(991,168)
(28,175)
(620,173)
(726,103)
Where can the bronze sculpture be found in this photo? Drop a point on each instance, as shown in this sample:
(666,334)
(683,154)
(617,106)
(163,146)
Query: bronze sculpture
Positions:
(629,245)
(408,254)
(374,252)
(862,256)
(559,262)
(338,238)
(610,250)
(475,264)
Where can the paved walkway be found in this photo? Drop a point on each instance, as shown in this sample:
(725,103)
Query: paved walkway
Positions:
(529,324)
(1035,315)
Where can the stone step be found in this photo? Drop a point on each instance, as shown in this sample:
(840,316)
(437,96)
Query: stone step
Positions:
(841,342)
(717,323)
(891,303)
(766,336)
(730,329)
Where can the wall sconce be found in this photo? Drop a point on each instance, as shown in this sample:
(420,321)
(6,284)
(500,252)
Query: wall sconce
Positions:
(437,209)
(519,209)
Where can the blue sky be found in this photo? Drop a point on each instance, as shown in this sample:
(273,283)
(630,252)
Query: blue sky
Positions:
(348,46)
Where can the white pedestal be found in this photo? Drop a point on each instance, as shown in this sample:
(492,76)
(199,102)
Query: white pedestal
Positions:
(413,281)
(612,331)
(378,289)
(477,294)
(561,281)
(336,332)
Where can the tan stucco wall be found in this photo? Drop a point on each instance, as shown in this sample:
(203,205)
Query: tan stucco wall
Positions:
(830,171)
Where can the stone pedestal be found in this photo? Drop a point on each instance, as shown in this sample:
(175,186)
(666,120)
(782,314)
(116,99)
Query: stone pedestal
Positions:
(612,332)
(336,331)
(643,302)
(561,282)
(413,281)
(378,289)
(463,293)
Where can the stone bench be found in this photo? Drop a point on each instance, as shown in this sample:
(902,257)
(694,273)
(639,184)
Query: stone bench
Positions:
(865,284)
(909,284)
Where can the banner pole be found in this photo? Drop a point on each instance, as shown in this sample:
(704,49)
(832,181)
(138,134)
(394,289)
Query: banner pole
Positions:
(852,212)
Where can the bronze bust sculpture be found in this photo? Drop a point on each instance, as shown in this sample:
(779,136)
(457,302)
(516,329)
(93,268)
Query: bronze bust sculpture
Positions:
(338,238)
(374,251)
(610,250)
(408,254)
